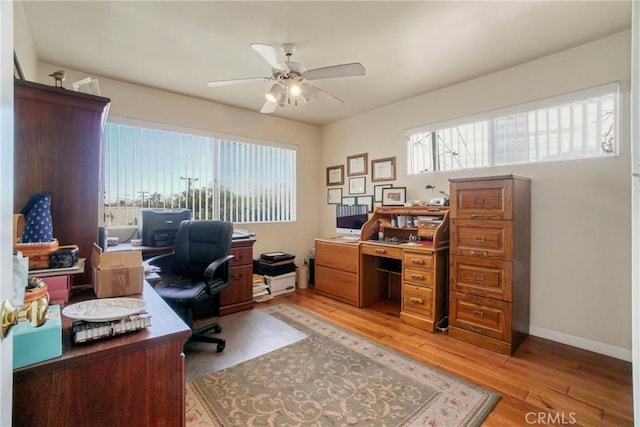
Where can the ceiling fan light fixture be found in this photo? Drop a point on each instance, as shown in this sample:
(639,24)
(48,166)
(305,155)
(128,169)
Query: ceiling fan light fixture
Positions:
(275,93)
(295,89)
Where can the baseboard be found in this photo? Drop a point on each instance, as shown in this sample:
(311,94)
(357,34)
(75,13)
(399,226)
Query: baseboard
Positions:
(583,343)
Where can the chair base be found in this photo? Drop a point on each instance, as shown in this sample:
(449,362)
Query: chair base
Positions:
(200,336)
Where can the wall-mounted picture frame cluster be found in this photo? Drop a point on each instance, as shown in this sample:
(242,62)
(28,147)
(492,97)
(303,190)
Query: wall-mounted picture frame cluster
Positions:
(357,168)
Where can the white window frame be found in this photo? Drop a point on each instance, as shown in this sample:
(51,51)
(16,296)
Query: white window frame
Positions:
(491,117)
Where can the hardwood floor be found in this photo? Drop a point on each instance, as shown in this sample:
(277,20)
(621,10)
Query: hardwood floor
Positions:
(544,383)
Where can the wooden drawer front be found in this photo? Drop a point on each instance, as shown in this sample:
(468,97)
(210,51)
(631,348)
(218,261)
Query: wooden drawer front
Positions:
(482,200)
(483,316)
(417,300)
(242,256)
(379,250)
(417,260)
(483,277)
(418,277)
(482,238)
(338,283)
(342,257)
(241,288)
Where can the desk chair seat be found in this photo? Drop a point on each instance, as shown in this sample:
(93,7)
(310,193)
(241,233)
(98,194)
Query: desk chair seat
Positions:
(196,272)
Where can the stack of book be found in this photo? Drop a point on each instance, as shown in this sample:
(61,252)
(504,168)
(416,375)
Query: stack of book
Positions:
(84,331)
(260,289)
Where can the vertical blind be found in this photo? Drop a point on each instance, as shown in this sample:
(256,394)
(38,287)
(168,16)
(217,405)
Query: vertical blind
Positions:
(215,178)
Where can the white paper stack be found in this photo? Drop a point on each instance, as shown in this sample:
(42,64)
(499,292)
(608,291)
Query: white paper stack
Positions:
(260,289)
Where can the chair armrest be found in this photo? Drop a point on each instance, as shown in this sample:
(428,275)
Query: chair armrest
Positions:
(161,261)
(211,269)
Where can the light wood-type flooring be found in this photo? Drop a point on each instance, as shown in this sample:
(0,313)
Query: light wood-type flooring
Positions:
(544,383)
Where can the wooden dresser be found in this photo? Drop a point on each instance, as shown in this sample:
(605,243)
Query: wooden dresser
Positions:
(490,261)
(337,270)
(239,295)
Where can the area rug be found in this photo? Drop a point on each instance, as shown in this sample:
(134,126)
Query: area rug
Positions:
(333,378)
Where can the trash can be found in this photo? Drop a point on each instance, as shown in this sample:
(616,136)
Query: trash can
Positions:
(303,277)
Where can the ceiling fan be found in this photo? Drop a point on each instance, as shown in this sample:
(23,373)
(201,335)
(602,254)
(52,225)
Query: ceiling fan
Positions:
(290,78)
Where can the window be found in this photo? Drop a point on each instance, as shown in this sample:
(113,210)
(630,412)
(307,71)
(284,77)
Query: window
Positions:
(574,126)
(215,178)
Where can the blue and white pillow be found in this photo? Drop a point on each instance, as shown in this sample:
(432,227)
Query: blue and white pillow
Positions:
(38,225)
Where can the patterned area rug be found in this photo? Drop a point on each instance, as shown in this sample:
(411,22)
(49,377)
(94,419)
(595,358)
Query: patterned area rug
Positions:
(333,378)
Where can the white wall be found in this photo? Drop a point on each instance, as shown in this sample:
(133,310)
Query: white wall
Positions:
(580,251)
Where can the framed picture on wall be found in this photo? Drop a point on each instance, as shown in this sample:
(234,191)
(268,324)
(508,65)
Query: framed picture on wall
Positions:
(349,201)
(334,196)
(365,200)
(335,175)
(377,191)
(357,164)
(394,196)
(357,185)
(383,169)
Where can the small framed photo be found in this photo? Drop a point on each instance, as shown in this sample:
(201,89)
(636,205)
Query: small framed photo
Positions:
(394,196)
(357,164)
(383,169)
(335,175)
(365,200)
(357,185)
(334,196)
(377,191)
(348,201)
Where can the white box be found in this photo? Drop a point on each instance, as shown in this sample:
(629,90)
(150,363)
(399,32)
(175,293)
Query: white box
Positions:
(281,284)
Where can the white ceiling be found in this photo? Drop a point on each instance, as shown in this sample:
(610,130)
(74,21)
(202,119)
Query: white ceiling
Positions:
(408,48)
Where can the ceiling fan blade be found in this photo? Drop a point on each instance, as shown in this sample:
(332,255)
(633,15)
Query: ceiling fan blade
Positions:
(219,83)
(270,54)
(311,92)
(269,107)
(333,71)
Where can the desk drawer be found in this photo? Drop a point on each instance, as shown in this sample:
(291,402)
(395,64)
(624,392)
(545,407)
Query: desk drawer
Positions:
(417,300)
(490,199)
(482,316)
(242,256)
(482,238)
(383,251)
(336,255)
(336,283)
(418,277)
(483,277)
(417,260)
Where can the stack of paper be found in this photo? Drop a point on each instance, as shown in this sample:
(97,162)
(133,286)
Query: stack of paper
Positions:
(260,289)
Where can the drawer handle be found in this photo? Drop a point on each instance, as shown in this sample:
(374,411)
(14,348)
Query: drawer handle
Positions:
(417,261)
(417,276)
(478,238)
(479,200)
(476,330)
(414,300)
(478,314)
(477,292)
(380,251)
(477,216)
(480,253)
(477,276)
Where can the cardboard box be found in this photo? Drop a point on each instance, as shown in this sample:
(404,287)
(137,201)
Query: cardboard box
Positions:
(117,273)
(32,345)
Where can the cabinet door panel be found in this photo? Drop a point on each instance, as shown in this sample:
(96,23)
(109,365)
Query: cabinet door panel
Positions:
(340,256)
(340,284)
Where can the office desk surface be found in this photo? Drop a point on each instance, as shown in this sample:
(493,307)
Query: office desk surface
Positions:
(135,379)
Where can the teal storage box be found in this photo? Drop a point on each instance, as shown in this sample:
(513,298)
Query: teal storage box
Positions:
(32,345)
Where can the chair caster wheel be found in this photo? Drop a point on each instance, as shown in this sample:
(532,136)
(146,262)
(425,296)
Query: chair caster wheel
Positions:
(217,329)
(220,347)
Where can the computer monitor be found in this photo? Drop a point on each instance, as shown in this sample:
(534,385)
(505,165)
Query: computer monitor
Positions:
(350,219)
(159,226)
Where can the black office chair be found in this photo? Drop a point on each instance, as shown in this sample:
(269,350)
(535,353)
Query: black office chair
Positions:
(196,271)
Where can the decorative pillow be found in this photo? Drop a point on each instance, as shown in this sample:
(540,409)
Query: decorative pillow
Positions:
(38,225)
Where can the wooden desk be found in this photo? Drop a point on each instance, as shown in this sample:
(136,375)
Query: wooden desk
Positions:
(147,251)
(136,379)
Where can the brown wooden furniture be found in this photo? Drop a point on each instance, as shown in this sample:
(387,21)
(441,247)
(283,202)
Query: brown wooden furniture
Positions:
(413,271)
(57,150)
(136,379)
(239,295)
(489,263)
(337,265)
(410,272)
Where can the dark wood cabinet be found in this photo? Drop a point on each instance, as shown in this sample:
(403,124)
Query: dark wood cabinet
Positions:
(239,295)
(58,151)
